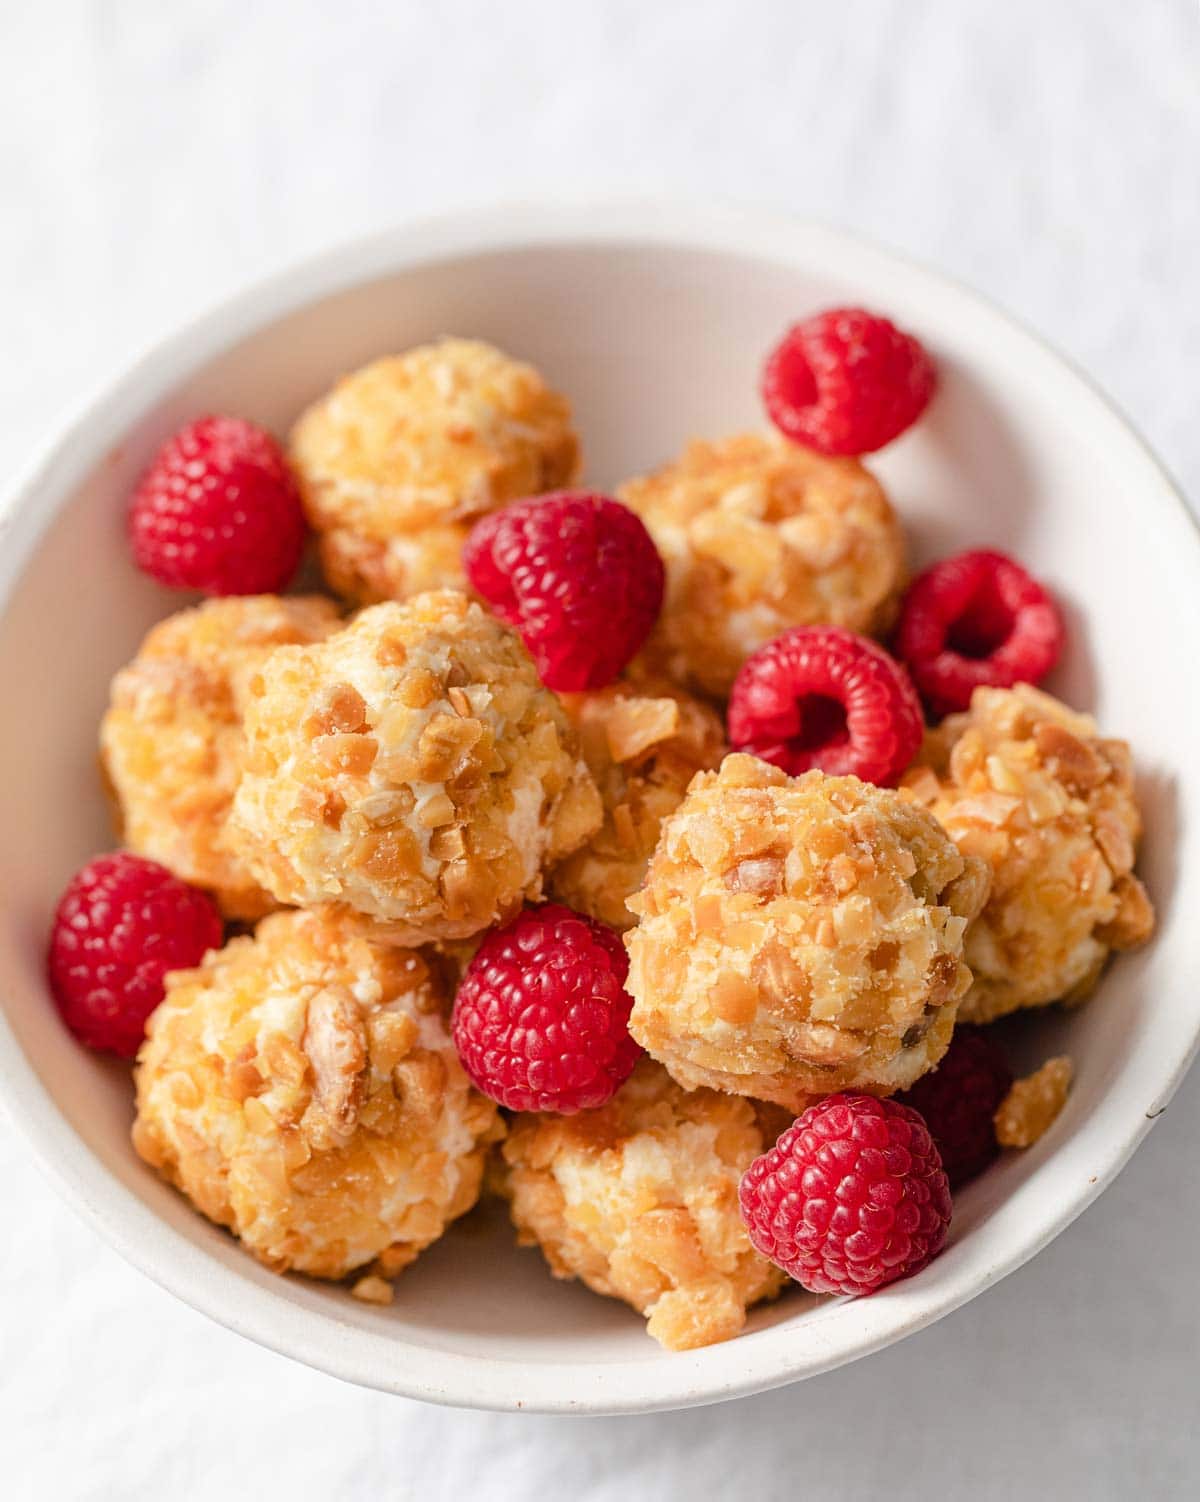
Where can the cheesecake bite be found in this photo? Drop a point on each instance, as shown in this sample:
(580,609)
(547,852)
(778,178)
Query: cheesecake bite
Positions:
(639,1200)
(411,768)
(300,1087)
(759,535)
(401,456)
(171,741)
(644,740)
(799,936)
(1031,788)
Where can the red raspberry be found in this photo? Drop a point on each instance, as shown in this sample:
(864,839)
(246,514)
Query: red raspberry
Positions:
(818,696)
(958,1100)
(976,620)
(541,1017)
(851,1197)
(218,510)
(846,382)
(121,924)
(579,578)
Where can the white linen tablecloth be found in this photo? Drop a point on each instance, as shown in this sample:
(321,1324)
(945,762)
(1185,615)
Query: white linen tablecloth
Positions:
(154,156)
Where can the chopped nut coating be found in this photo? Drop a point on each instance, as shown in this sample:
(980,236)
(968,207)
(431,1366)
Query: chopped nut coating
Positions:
(759,535)
(171,742)
(1030,787)
(300,1087)
(799,936)
(411,768)
(639,1200)
(643,740)
(397,460)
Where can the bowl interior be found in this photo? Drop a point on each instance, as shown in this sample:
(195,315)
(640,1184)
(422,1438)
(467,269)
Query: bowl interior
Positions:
(655,340)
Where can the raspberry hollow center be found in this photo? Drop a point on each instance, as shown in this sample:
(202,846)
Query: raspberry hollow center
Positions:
(985,623)
(794,377)
(819,696)
(821,724)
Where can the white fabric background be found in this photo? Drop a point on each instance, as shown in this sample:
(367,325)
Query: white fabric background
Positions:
(155,155)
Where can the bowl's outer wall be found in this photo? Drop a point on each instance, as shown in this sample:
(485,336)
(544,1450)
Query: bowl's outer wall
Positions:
(655,325)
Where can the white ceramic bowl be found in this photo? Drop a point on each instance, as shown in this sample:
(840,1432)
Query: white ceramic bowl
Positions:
(654,321)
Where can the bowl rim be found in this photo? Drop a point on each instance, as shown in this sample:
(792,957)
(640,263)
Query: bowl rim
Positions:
(836,1332)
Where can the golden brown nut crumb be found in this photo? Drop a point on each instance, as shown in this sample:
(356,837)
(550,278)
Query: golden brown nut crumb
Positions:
(412,768)
(1032,1105)
(643,740)
(798,936)
(759,535)
(1030,787)
(300,1087)
(639,1200)
(171,741)
(373,1290)
(397,460)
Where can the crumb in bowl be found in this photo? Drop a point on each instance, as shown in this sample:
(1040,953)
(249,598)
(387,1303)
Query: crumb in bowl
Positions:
(1032,1105)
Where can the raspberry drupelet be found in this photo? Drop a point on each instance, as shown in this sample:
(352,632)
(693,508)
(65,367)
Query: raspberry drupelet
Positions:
(401,456)
(541,1019)
(644,740)
(300,1087)
(171,741)
(411,768)
(639,1200)
(851,1197)
(1030,787)
(757,536)
(798,936)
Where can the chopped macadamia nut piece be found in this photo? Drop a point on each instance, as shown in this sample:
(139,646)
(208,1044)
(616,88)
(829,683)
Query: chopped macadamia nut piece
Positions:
(373,1290)
(1031,1107)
